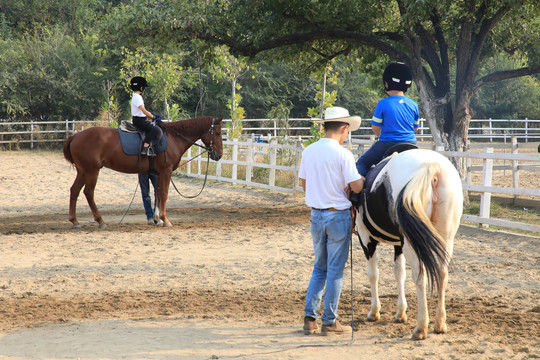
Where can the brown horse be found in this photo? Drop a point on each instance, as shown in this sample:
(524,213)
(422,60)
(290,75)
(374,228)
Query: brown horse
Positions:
(98,147)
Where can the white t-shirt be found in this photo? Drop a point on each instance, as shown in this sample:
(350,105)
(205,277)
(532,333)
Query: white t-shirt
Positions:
(137,101)
(327,168)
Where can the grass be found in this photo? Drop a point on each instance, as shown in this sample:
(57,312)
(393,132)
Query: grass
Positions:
(508,212)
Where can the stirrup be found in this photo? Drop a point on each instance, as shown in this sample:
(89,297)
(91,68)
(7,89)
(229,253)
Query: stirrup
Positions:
(150,151)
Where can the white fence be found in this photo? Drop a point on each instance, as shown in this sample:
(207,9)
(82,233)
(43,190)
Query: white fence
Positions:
(33,133)
(242,158)
(250,159)
(30,134)
(501,130)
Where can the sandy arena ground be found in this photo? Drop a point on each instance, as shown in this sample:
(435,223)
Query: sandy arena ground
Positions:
(227,281)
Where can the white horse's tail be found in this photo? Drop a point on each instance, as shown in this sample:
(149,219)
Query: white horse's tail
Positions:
(416,225)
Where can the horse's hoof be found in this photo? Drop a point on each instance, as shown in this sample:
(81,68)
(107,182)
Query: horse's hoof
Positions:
(159,222)
(102,226)
(167,224)
(373,317)
(76,226)
(400,320)
(440,329)
(419,335)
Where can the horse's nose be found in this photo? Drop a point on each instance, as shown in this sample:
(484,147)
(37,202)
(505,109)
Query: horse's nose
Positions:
(215,155)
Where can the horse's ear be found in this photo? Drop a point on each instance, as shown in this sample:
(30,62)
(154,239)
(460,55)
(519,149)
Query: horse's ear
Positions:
(221,118)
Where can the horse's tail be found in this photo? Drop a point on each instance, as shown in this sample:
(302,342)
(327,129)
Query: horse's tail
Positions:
(67,151)
(416,225)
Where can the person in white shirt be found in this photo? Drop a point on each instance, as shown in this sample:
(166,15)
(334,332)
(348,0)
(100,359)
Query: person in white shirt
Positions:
(326,171)
(142,118)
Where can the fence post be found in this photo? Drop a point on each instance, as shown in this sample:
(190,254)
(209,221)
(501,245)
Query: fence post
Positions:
(198,160)
(31,133)
(188,165)
(490,130)
(234,174)
(249,160)
(515,165)
(526,130)
(218,170)
(297,152)
(485,197)
(272,174)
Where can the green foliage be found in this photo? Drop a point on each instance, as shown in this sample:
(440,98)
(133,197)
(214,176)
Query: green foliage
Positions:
(280,113)
(509,99)
(237,115)
(51,73)
(57,53)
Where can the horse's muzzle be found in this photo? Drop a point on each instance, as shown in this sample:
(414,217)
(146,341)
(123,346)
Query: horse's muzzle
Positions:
(214,155)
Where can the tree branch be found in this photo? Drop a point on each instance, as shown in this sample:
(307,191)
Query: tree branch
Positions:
(250,49)
(504,75)
(478,45)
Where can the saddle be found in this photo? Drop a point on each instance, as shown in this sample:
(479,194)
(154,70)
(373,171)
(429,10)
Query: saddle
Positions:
(376,201)
(132,140)
(377,206)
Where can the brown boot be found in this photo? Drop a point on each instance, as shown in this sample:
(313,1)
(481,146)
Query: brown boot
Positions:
(335,329)
(310,325)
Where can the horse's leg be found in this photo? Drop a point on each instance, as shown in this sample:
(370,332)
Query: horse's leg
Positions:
(373,276)
(73,195)
(422,321)
(164,179)
(400,274)
(445,217)
(440,315)
(90,185)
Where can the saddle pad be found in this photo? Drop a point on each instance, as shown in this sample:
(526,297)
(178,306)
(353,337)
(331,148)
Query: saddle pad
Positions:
(377,207)
(131,143)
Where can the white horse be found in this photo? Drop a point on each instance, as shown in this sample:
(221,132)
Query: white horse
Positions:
(414,201)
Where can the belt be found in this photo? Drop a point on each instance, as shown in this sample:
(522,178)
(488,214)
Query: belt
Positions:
(329,209)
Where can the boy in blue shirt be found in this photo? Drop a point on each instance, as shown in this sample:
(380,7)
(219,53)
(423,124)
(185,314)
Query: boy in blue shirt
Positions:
(395,119)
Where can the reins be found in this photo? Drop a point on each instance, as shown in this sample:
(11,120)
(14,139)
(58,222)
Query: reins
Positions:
(207,149)
(205,177)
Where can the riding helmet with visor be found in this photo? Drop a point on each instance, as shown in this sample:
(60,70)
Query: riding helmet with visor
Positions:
(397,76)
(137,82)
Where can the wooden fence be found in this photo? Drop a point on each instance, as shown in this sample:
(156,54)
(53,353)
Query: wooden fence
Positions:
(242,158)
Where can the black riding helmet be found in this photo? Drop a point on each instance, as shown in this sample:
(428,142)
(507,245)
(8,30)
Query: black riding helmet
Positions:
(398,76)
(137,82)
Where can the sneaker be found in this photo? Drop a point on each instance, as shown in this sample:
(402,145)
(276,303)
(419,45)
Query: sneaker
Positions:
(335,329)
(310,325)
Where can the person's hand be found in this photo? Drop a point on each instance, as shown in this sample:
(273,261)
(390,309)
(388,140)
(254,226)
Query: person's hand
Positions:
(157,117)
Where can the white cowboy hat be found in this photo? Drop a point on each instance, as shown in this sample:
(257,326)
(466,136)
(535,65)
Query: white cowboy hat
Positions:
(337,113)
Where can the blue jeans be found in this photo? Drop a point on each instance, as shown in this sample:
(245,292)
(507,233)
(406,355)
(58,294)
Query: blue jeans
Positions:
(331,232)
(144,183)
(374,155)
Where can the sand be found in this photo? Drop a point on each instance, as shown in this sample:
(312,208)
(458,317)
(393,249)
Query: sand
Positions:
(228,280)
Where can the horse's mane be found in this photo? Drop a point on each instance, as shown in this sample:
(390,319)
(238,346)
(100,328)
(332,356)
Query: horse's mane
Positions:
(194,126)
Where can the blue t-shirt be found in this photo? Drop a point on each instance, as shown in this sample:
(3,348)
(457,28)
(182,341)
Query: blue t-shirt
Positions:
(398,117)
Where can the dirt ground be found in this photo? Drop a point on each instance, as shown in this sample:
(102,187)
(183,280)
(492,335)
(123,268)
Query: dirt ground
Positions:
(228,280)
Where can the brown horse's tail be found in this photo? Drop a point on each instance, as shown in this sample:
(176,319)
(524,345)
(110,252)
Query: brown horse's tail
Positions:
(67,151)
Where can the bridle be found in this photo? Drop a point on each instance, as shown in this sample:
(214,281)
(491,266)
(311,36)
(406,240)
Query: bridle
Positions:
(207,149)
(211,131)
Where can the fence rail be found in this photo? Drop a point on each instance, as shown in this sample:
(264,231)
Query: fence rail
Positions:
(243,162)
(32,133)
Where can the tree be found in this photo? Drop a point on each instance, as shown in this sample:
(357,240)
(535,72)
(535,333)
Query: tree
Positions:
(50,73)
(439,39)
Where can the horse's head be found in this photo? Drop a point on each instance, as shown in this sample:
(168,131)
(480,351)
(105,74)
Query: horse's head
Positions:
(213,141)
